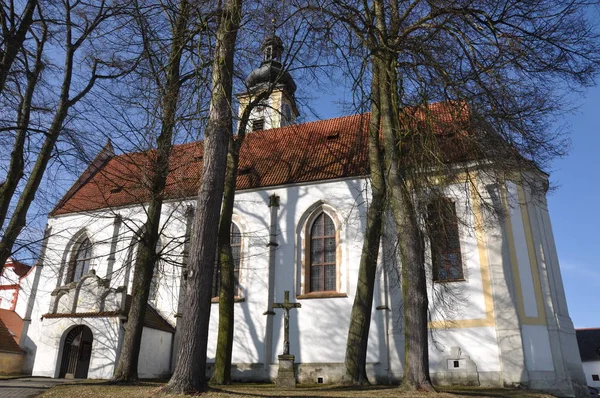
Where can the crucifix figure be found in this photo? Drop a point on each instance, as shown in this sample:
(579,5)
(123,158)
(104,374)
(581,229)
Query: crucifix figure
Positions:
(286,306)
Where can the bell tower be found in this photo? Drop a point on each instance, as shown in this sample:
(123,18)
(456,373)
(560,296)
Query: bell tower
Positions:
(279,109)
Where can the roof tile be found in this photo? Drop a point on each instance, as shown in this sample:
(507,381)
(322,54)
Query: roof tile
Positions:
(314,151)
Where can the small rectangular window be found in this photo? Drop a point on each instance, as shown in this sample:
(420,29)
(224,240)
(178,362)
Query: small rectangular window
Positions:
(258,124)
(595,378)
(456,364)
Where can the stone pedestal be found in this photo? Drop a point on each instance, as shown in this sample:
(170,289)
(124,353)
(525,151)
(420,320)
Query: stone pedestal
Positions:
(286,377)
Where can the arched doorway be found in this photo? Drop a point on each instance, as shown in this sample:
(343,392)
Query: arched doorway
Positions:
(77,350)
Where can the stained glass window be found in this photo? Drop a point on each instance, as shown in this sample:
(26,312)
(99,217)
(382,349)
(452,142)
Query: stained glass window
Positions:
(80,264)
(323,270)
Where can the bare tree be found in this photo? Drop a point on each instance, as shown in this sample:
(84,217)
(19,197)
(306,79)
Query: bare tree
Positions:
(126,370)
(189,375)
(77,23)
(15,26)
(499,67)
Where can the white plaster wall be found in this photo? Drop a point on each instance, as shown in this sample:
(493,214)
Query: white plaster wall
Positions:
(51,333)
(591,368)
(478,343)
(536,346)
(7,297)
(318,330)
(522,251)
(25,289)
(155,353)
(44,335)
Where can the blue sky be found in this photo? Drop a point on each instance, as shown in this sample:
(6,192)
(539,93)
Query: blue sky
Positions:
(575,212)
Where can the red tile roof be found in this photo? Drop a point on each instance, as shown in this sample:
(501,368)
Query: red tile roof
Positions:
(20,268)
(11,326)
(313,151)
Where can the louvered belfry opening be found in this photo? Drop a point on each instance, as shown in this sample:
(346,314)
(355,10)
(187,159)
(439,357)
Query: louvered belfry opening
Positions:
(77,351)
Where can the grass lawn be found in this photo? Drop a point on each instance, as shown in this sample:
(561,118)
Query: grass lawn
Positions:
(151,389)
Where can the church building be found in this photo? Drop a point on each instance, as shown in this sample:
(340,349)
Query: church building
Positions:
(498,312)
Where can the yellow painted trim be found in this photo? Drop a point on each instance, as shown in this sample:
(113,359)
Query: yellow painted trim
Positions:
(533,263)
(513,255)
(484,266)
(526,320)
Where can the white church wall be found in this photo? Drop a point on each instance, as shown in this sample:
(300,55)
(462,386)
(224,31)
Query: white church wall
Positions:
(51,335)
(25,291)
(318,330)
(155,353)
(536,344)
(479,343)
(522,252)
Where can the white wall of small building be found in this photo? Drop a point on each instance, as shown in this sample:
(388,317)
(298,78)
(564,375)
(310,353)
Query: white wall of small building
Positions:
(592,368)
(155,353)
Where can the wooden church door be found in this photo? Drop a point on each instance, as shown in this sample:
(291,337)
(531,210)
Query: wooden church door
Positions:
(77,351)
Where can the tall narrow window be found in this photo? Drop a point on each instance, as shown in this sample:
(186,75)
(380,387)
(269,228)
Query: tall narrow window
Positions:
(445,241)
(80,262)
(156,274)
(323,255)
(236,251)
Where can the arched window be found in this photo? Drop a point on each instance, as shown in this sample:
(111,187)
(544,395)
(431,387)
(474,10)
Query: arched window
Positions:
(236,251)
(442,226)
(323,264)
(80,261)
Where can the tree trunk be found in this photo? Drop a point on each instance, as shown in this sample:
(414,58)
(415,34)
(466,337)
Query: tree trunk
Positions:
(410,239)
(360,319)
(222,370)
(14,40)
(190,373)
(145,262)
(222,373)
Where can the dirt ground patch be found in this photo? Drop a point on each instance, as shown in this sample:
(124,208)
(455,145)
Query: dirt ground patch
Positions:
(148,389)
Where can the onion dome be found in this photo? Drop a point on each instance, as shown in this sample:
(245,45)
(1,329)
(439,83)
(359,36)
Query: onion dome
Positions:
(270,70)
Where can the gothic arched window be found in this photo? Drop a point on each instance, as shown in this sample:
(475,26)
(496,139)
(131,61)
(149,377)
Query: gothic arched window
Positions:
(80,261)
(236,251)
(442,225)
(323,264)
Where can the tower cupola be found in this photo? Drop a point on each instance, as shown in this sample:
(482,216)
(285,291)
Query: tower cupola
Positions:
(280,108)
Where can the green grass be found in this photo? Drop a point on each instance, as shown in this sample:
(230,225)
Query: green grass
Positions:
(152,389)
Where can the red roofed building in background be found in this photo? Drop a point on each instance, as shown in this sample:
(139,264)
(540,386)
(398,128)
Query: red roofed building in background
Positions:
(13,299)
(10,283)
(498,313)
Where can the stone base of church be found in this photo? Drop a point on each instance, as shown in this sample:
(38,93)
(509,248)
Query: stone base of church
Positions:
(333,373)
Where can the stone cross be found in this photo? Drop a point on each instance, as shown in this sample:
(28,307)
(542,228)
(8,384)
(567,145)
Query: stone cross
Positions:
(286,306)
